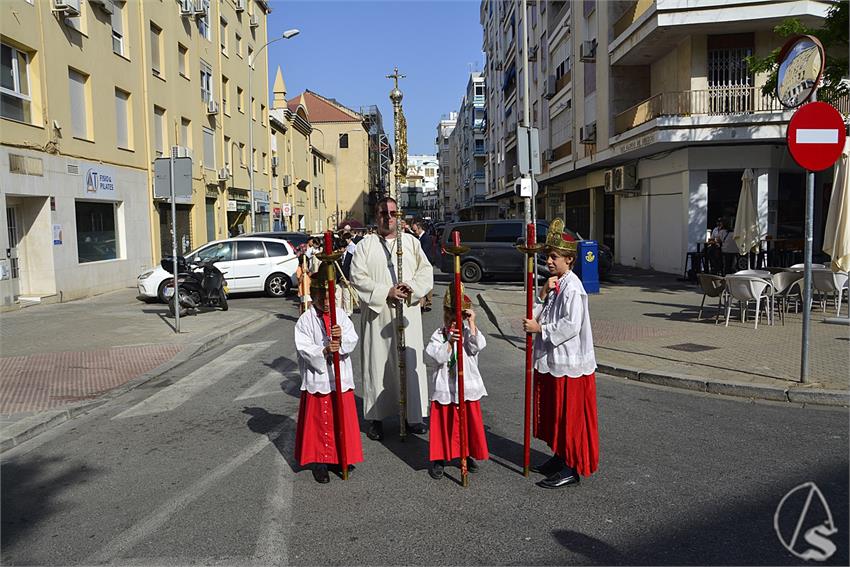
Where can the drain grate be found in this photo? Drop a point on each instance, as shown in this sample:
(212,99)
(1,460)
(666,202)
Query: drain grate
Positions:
(691,347)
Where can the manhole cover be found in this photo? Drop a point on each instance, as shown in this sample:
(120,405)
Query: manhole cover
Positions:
(691,347)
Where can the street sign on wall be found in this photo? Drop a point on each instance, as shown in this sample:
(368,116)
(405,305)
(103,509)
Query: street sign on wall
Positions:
(816,136)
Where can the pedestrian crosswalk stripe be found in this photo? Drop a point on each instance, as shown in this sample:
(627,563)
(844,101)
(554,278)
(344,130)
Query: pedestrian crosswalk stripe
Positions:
(177,394)
(285,379)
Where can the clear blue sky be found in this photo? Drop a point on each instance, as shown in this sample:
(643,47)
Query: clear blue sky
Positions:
(346,48)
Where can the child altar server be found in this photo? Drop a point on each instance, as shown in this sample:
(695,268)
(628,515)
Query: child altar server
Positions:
(564,368)
(445,417)
(316,341)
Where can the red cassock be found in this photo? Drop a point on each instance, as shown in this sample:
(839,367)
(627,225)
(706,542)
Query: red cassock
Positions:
(565,418)
(315,438)
(445,432)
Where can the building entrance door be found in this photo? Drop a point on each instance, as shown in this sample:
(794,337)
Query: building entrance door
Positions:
(13,219)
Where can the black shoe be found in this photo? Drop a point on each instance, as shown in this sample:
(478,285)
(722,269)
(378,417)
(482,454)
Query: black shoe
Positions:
(550,467)
(471,465)
(561,479)
(376,430)
(417,428)
(336,469)
(320,473)
(436,470)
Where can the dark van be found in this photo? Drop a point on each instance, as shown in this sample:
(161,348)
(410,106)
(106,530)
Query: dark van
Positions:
(493,250)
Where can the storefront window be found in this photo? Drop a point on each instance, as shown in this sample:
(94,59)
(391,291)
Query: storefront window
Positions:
(96,236)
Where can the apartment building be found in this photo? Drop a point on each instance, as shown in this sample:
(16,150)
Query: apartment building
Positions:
(470,154)
(339,132)
(446,191)
(299,191)
(422,175)
(648,116)
(96,90)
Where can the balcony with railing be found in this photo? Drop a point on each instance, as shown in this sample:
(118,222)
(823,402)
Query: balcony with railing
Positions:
(733,101)
(558,13)
(644,31)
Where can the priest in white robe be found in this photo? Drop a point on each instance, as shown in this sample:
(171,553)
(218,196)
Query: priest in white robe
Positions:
(374,275)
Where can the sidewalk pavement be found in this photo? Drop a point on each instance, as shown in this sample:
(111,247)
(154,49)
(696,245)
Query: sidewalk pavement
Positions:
(63,359)
(645,328)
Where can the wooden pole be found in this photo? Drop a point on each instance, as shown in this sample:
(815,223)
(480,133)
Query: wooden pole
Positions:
(329,259)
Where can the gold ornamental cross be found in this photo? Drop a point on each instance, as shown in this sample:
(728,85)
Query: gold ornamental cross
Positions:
(395,76)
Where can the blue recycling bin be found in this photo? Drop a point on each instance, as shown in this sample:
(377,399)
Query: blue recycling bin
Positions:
(587,265)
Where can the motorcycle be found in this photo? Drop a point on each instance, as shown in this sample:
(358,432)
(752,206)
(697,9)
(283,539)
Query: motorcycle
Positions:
(201,284)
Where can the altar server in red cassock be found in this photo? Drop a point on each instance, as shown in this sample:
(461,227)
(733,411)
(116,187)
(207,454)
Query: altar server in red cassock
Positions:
(445,418)
(316,341)
(564,368)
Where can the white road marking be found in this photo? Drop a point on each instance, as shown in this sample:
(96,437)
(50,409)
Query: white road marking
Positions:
(817,136)
(270,384)
(271,547)
(177,394)
(144,529)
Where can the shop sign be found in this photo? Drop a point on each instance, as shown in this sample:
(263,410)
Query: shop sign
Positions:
(99,182)
(261,196)
(231,206)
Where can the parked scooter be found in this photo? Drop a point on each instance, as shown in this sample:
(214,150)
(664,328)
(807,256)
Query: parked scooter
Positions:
(201,284)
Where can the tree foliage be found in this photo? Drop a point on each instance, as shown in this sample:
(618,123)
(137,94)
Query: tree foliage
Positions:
(833,35)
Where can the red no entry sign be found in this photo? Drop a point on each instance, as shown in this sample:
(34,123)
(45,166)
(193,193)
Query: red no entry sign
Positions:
(816,136)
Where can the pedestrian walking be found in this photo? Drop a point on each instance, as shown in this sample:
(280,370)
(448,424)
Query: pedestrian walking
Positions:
(564,368)
(444,442)
(315,342)
(426,241)
(374,274)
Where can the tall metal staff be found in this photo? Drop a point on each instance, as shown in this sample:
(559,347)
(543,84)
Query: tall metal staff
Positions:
(400,342)
(530,248)
(456,250)
(329,258)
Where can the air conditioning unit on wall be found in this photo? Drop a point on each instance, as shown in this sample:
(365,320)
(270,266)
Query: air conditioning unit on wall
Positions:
(68,8)
(224,174)
(551,87)
(587,134)
(625,178)
(240,5)
(587,51)
(212,108)
(609,181)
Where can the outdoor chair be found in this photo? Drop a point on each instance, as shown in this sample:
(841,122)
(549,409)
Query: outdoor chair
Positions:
(829,283)
(756,273)
(712,286)
(784,288)
(746,289)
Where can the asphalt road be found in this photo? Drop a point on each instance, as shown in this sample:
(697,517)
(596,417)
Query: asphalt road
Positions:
(197,468)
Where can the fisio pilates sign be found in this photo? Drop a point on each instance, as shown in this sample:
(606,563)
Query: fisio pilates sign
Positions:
(100,183)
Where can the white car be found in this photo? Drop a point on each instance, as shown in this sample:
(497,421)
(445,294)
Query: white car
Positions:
(248,264)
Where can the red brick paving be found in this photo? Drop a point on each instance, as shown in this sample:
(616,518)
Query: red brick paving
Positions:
(48,381)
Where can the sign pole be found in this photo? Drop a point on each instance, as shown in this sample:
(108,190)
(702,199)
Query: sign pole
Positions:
(176,296)
(807,268)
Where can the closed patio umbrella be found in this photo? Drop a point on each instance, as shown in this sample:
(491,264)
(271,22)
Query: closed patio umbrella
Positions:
(748,232)
(836,236)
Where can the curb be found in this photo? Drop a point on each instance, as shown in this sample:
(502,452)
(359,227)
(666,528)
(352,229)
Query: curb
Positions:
(794,394)
(37,424)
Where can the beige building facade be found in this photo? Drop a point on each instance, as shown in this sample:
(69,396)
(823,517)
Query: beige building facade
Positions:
(339,133)
(647,117)
(99,90)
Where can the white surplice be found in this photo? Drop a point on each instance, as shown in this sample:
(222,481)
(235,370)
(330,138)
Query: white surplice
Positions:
(564,345)
(311,337)
(373,259)
(444,376)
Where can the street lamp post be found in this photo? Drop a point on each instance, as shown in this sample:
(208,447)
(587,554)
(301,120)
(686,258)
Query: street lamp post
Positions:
(288,34)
